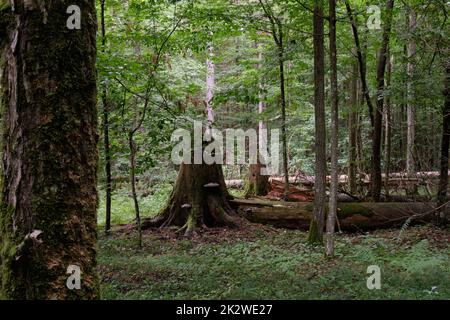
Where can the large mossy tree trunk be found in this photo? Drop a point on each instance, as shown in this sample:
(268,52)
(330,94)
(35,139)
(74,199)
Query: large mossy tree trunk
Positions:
(199,199)
(49,164)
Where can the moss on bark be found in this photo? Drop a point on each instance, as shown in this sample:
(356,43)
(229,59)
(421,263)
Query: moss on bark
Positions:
(314,236)
(199,199)
(256,184)
(49,153)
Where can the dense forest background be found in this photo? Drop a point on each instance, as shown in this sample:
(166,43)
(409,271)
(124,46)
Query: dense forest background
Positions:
(152,67)
(93,91)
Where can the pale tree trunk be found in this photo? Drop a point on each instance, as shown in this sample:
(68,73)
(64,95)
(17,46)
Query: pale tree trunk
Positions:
(317,223)
(332,213)
(375,191)
(258,183)
(48,216)
(387,128)
(410,136)
(210,83)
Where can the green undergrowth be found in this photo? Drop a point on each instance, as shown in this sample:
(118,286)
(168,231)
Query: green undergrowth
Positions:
(264,263)
(151,201)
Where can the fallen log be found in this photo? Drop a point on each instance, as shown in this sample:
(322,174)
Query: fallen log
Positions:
(355,216)
(394,179)
(295,193)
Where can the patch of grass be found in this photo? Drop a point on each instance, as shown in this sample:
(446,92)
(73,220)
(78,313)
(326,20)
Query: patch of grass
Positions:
(238,193)
(273,264)
(122,208)
(151,202)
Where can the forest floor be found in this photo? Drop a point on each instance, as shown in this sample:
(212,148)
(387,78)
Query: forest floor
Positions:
(260,262)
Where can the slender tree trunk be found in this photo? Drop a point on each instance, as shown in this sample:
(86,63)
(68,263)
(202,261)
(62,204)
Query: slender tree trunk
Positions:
(334,183)
(278,36)
(107,162)
(361,62)
(106,133)
(359,137)
(445,144)
(353,131)
(49,196)
(258,184)
(133,150)
(317,223)
(410,108)
(137,124)
(388,129)
(403,114)
(283,116)
(378,117)
(434,148)
(210,83)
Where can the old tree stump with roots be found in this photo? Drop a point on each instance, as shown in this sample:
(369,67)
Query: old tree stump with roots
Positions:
(199,199)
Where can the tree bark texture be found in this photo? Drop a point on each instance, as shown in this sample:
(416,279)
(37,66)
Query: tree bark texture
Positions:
(317,223)
(49,198)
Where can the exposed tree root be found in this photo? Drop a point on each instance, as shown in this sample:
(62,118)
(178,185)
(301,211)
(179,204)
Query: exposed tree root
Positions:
(199,200)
